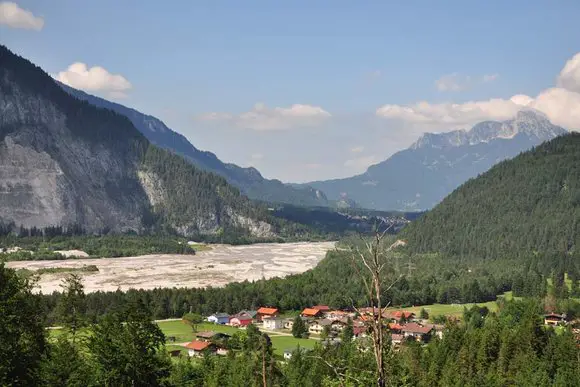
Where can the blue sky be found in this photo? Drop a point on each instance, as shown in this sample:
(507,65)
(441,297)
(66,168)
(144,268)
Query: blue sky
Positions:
(308,90)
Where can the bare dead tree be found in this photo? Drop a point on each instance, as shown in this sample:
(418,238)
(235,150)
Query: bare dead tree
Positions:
(375,258)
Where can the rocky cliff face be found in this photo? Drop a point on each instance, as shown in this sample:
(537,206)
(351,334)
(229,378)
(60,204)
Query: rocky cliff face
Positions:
(66,162)
(49,176)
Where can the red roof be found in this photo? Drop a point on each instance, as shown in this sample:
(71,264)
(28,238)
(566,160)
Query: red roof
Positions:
(265,310)
(416,328)
(395,327)
(197,345)
(311,312)
(322,308)
(402,313)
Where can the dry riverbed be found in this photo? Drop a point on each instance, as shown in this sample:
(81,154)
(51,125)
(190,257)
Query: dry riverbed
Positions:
(216,267)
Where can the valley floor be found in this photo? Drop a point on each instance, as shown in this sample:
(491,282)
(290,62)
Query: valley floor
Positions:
(216,267)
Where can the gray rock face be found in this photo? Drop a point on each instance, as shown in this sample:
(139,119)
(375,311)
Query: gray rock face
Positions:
(49,176)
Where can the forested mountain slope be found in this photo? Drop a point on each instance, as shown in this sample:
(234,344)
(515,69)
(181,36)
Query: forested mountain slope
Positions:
(64,161)
(521,207)
(248,180)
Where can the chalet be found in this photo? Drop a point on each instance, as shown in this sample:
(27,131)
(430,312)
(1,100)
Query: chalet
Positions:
(288,323)
(338,325)
(417,332)
(248,313)
(211,335)
(395,327)
(311,312)
(317,326)
(399,315)
(266,312)
(198,348)
(219,318)
(554,319)
(322,308)
(240,321)
(337,314)
(273,323)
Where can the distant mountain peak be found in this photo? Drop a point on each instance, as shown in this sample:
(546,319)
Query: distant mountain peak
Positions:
(529,122)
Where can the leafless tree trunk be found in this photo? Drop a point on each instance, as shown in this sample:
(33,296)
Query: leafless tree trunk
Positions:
(375,258)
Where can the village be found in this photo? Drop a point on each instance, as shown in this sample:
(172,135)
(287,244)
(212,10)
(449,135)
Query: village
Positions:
(321,323)
(325,325)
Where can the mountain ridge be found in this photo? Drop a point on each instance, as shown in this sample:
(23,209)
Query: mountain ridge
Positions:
(419,177)
(249,180)
(66,162)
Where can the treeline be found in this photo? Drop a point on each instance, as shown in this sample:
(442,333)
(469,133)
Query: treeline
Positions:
(521,207)
(41,247)
(125,348)
(334,281)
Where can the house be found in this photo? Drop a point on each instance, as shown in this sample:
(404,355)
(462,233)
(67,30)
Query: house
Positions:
(317,326)
(554,319)
(399,315)
(395,327)
(273,323)
(211,335)
(219,318)
(417,332)
(222,351)
(322,308)
(240,321)
(198,348)
(248,313)
(288,323)
(338,325)
(336,314)
(311,312)
(266,312)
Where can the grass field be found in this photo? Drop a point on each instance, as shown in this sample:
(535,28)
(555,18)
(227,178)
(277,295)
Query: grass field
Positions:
(183,333)
(282,343)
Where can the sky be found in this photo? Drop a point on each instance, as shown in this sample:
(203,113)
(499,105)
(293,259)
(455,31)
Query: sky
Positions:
(309,90)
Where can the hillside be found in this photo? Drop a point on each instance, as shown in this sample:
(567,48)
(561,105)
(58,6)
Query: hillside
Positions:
(248,180)
(419,177)
(66,162)
(520,207)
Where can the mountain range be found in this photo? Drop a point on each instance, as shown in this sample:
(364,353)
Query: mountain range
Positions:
(248,180)
(419,177)
(64,162)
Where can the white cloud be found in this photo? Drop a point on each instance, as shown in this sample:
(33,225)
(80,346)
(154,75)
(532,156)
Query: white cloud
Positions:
(458,82)
(263,118)
(357,149)
(561,104)
(13,16)
(569,77)
(451,115)
(80,76)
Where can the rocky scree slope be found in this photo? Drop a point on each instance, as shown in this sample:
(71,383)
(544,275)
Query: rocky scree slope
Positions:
(64,161)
